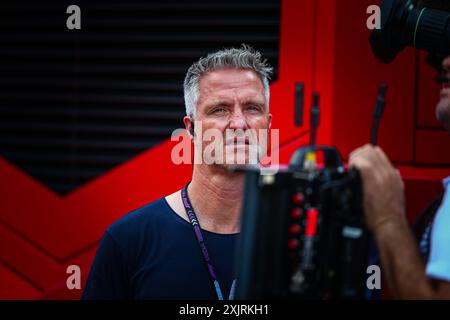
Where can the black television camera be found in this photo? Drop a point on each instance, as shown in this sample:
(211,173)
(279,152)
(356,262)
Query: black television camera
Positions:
(303,233)
(403,24)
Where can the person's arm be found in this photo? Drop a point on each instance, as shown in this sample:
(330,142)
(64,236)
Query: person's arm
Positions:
(385,216)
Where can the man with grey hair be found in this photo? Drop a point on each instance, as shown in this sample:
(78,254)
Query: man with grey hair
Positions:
(182,246)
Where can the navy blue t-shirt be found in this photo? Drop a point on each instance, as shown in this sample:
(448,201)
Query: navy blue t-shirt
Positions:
(152,253)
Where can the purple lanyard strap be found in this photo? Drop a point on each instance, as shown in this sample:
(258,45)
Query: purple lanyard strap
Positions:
(201,242)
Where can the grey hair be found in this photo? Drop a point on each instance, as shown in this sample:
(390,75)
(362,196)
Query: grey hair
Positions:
(242,58)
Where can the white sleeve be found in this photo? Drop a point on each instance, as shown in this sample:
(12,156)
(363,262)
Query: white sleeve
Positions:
(438,266)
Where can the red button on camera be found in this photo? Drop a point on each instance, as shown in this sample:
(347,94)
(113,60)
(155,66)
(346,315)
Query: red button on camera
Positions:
(294,229)
(298,198)
(293,244)
(296,213)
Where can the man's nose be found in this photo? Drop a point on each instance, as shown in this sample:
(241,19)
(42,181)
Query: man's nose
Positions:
(238,120)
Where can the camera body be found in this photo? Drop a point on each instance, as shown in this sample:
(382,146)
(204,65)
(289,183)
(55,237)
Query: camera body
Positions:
(303,233)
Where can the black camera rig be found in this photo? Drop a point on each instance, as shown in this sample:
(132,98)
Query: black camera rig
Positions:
(303,233)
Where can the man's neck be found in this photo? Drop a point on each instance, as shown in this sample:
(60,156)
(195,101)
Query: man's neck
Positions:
(216,195)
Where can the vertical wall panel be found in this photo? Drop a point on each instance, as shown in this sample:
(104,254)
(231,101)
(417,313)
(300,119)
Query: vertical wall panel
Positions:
(357,76)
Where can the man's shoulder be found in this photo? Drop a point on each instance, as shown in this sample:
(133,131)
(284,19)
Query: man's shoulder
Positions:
(139,220)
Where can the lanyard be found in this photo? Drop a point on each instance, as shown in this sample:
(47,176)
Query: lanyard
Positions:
(201,242)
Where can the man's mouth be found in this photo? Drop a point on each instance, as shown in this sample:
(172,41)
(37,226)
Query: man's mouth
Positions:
(238,141)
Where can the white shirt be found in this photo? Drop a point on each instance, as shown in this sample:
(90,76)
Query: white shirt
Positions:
(438,266)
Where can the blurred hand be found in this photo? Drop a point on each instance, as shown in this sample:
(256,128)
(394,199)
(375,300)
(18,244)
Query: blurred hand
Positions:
(383,188)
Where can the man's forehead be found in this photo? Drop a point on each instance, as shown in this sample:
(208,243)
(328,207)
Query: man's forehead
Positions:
(224,79)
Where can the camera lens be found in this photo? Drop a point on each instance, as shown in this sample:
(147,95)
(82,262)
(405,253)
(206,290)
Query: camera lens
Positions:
(402,25)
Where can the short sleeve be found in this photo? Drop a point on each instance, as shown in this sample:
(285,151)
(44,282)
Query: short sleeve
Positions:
(438,266)
(107,278)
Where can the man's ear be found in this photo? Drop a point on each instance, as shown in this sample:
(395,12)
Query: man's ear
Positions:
(270,121)
(189,125)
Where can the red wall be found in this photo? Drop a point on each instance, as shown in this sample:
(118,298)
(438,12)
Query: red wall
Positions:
(323,43)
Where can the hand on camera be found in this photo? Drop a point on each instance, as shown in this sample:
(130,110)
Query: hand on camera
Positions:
(383,188)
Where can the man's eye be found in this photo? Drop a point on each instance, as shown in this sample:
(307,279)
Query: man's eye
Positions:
(254,108)
(219,110)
